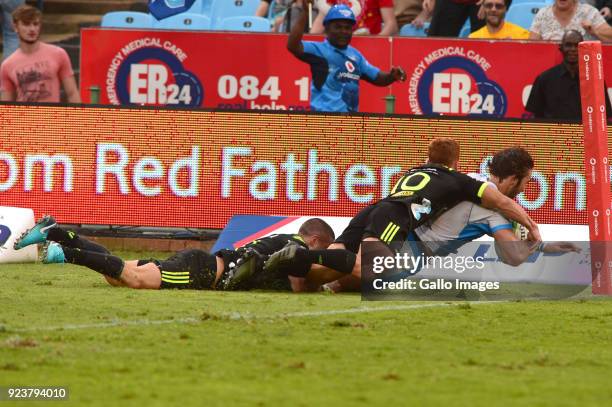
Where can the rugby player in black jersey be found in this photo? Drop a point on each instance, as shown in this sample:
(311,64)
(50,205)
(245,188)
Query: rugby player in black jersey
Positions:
(420,196)
(239,269)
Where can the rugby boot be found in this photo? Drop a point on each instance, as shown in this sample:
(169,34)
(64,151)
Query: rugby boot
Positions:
(241,274)
(36,234)
(290,254)
(52,253)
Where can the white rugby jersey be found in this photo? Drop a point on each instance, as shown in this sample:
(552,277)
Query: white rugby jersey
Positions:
(461,224)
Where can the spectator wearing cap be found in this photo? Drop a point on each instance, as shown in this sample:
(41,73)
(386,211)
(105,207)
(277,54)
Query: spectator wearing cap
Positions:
(336,67)
(496,25)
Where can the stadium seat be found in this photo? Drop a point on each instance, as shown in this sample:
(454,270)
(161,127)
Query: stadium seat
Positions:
(408,30)
(206,6)
(197,7)
(202,7)
(184,21)
(466,30)
(523,13)
(222,9)
(252,24)
(127,19)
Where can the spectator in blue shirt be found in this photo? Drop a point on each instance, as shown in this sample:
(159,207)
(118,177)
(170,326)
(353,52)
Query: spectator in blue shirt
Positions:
(336,66)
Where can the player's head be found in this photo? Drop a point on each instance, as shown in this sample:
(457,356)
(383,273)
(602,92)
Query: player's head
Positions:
(339,23)
(27,21)
(510,170)
(569,46)
(317,234)
(443,151)
(495,11)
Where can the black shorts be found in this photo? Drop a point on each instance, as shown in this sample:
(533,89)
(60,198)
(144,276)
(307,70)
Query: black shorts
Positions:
(388,221)
(188,269)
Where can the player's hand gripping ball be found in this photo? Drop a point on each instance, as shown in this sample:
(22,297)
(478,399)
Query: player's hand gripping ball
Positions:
(520,231)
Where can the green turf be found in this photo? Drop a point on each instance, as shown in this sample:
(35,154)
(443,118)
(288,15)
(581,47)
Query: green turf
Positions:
(63,326)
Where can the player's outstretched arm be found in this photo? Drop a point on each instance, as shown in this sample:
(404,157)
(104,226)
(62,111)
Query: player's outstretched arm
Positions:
(294,42)
(515,252)
(560,247)
(493,199)
(510,249)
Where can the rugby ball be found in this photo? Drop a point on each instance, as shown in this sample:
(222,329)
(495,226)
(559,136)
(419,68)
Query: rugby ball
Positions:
(520,231)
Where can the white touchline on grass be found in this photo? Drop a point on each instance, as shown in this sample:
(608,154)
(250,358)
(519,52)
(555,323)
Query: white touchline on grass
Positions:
(245,316)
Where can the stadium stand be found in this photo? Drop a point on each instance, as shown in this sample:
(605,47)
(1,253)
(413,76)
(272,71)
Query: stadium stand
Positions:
(127,19)
(247,23)
(408,30)
(523,13)
(222,9)
(184,21)
(201,7)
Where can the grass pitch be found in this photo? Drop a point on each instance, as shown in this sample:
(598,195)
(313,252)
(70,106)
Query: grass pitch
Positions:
(63,326)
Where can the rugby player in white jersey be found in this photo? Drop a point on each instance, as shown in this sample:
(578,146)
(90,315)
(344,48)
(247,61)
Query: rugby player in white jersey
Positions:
(510,171)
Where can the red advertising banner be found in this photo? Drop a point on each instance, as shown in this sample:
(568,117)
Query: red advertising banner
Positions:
(194,168)
(467,77)
(255,71)
(596,163)
(216,70)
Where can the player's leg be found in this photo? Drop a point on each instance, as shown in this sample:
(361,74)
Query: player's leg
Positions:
(119,283)
(296,257)
(388,227)
(188,269)
(36,234)
(71,239)
(114,269)
(137,276)
(338,260)
(46,229)
(113,282)
(332,263)
(141,276)
(341,282)
(320,275)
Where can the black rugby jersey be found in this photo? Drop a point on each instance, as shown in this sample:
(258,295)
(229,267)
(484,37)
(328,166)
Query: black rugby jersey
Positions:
(441,186)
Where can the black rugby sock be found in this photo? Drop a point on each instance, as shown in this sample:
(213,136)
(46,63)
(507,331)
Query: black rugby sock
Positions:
(106,264)
(340,260)
(71,239)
